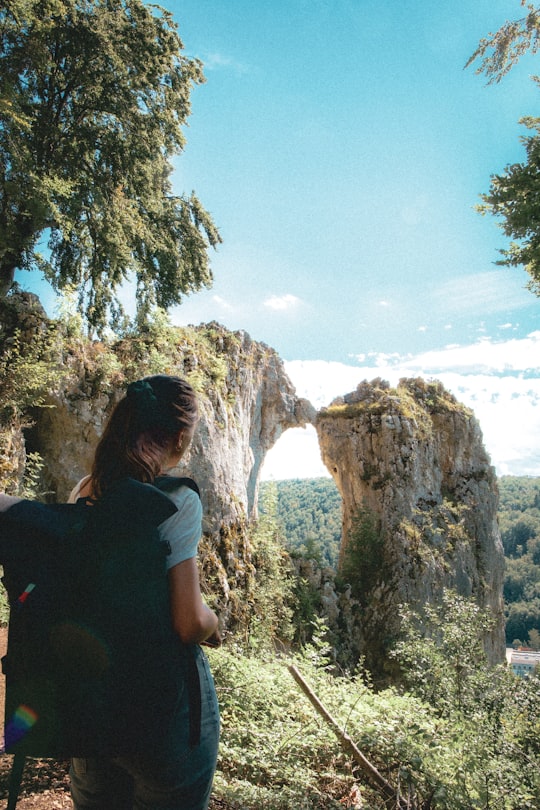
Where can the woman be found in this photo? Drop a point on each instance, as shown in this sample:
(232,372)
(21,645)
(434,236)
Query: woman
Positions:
(147,434)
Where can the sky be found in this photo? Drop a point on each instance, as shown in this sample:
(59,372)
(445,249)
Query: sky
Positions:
(341,148)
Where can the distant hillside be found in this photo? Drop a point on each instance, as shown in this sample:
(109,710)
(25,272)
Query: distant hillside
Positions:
(519,520)
(309,515)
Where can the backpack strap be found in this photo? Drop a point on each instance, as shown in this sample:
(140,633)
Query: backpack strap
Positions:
(170,483)
(15,779)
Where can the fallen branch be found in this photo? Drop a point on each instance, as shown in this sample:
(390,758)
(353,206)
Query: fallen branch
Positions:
(376,779)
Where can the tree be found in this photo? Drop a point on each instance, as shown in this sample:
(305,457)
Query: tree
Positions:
(514,195)
(93,98)
(362,558)
(270,611)
(534,639)
(499,52)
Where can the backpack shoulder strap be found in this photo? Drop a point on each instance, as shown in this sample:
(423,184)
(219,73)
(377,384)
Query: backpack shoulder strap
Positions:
(168,483)
(15,780)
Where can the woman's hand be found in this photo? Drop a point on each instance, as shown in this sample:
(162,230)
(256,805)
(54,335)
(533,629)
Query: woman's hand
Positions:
(215,640)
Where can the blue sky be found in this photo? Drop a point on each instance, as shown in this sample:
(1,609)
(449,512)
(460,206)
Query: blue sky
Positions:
(341,148)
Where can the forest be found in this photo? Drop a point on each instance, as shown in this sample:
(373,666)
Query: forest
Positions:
(309,516)
(519,521)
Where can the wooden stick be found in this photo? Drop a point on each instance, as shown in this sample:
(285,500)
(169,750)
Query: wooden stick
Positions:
(374,776)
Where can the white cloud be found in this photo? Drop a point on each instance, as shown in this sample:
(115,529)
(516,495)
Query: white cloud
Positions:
(296,455)
(218,61)
(321,381)
(485,356)
(488,292)
(499,381)
(221,302)
(282,302)
(508,409)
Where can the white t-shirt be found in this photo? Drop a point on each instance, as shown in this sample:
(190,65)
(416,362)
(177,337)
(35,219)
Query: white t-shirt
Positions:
(182,531)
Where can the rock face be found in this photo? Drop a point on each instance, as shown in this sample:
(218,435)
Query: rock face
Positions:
(246,402)
(412,461)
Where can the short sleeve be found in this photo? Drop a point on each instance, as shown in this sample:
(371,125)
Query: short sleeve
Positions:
(183,529)
(76,491)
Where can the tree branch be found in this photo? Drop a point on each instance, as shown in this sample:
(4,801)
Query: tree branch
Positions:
(376,779)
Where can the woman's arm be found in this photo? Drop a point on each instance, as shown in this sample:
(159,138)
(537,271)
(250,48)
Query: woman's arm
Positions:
(193,621)
(7,501)
(81,490)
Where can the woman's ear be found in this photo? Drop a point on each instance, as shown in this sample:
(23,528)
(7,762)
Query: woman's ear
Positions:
(179,444)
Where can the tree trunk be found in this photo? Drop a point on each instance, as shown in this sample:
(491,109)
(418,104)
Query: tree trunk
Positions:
(7,276)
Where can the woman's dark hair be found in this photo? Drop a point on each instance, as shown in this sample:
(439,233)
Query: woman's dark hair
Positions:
(138,435)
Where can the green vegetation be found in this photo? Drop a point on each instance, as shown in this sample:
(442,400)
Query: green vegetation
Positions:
(29,371)
(94,97)
(308,513)
(414,399)
(411,398)
(362,563)
(455,736)
(309,516)
(519,520)
(513,194)
(152,346)
(460,736)
(270,597)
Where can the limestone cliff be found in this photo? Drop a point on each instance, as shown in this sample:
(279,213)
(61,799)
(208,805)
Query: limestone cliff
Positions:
(412,460)
(246,402)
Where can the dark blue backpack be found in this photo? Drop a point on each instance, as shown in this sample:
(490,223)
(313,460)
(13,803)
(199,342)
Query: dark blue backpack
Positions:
(93,666)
